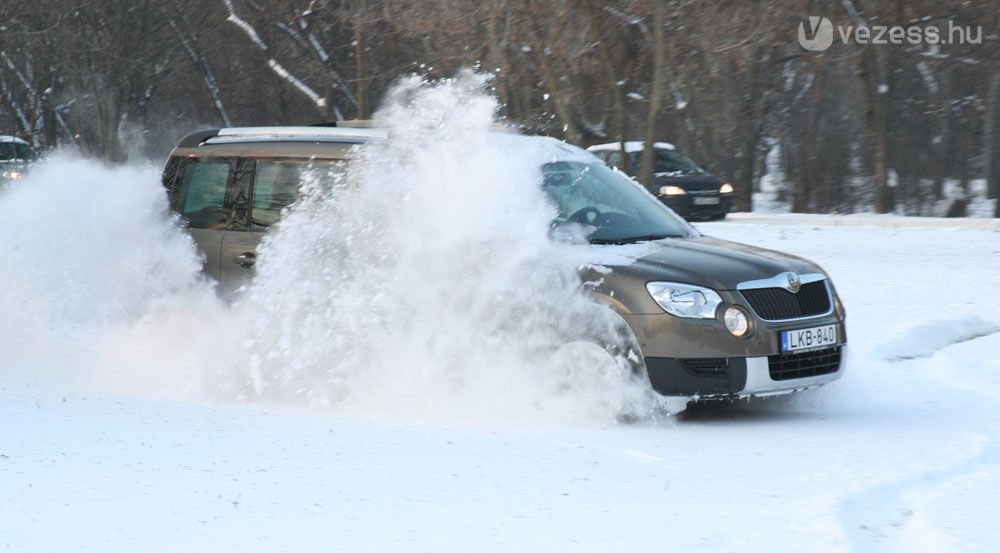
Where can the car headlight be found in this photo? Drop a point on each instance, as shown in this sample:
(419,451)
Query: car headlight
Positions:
(12,174)
(726,189)
(737,322)
(672,191)
(685,300)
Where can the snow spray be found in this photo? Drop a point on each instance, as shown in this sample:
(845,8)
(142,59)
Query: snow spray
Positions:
(423,286)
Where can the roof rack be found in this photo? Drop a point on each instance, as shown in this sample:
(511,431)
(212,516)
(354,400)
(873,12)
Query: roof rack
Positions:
(293,134)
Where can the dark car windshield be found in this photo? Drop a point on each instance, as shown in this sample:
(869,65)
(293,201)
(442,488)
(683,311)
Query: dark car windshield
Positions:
(14,150)
(667,161)
(608,206)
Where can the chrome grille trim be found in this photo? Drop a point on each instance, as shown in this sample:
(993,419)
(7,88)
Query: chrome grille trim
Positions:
(778,281)
(828,311)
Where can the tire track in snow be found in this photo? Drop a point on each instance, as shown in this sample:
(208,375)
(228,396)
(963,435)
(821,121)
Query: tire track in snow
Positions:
(883,517)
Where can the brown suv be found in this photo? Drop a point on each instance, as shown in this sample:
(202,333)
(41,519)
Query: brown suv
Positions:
(712,318)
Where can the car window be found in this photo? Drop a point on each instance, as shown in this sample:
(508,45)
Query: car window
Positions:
(670,162)
(615,159)
(15,150)
(609,205)
(200,196)
(277,184)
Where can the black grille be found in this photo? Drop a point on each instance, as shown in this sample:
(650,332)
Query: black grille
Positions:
(787,366)
(775,304)
(706,366)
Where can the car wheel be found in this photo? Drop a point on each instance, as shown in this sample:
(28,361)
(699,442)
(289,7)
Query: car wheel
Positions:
(590,366)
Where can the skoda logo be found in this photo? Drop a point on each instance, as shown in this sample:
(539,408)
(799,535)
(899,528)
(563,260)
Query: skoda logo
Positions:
(793,283)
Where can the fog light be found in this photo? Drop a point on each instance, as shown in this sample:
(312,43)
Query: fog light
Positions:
(736,321)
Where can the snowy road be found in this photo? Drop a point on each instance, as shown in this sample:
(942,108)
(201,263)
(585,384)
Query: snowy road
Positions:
(901,455)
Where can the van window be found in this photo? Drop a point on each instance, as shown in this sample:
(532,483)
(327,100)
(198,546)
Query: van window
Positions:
(277,184)
(200,196)
(15,151)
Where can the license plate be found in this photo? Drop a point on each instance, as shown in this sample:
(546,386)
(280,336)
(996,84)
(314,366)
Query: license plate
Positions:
(809,338)
(706,201)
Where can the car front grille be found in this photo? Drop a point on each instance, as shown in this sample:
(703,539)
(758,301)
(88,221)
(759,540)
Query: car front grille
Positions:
(775,304)
(788,366)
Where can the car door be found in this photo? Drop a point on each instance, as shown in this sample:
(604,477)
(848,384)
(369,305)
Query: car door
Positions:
(200,193)
(273,185)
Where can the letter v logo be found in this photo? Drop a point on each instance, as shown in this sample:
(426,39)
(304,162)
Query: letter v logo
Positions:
(820,35)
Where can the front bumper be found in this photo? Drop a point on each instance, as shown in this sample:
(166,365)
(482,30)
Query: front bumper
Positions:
(700,358)
(745,376)
(685,205)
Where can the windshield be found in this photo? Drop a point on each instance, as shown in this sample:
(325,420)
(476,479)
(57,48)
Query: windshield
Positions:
(608,206)
(14,150)
(670,162)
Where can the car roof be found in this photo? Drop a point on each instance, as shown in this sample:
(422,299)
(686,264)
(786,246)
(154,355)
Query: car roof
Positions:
(631,146)
(284,141)
(14,139)
(547,149)
(336,143)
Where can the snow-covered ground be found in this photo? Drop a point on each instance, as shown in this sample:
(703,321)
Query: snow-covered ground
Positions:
(900,455)
(139,413)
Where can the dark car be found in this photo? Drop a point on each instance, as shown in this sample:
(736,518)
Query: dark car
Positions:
(15,157)
(710,318)
(679,182)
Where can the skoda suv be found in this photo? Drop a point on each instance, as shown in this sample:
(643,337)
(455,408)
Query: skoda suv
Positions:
(710,318)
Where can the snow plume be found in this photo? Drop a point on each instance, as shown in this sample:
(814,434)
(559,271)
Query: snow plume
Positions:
(426,284)
(85,249)
(421,286)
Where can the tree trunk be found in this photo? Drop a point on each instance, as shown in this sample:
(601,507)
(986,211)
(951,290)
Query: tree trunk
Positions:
(570,132)
(991,167)
(613,80)
(939,143)
(875,90)
(752,131)
(655,95)
(361,91)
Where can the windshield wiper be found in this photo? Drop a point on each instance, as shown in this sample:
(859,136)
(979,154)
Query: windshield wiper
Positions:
(633,239)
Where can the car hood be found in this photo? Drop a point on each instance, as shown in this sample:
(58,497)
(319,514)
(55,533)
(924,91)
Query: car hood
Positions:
(704,261)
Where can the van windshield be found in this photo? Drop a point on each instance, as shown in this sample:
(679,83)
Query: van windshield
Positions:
(606,206)
(14,150)
(669,162)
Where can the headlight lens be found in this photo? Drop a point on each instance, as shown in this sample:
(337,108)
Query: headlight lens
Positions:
(672,191)
(685,300)
(736,321)
(726,189)
(12,174)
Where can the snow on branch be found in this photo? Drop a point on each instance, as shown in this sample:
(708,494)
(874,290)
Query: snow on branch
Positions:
(630,19)
(207,76)
(320,53)
(271,62)
(303,87)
